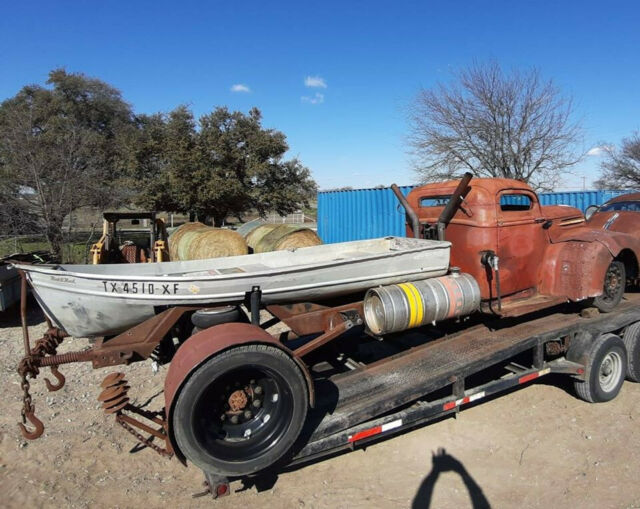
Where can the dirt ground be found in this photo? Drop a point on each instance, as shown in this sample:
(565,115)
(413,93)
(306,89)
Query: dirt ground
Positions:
(535,447)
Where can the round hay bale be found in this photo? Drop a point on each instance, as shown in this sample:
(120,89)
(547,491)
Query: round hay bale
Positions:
(215,243)
(247,228)
(197,241)
(255,235)
(286,236)
(176,236)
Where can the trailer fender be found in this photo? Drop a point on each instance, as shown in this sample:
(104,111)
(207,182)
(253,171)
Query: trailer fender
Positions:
(207,343)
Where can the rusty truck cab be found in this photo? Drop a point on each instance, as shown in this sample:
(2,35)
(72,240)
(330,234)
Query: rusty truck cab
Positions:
(501,215)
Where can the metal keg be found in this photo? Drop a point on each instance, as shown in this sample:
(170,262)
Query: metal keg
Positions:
(403,306)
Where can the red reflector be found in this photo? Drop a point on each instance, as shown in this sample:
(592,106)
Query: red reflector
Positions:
(366,433)
(528,378)
(449,406)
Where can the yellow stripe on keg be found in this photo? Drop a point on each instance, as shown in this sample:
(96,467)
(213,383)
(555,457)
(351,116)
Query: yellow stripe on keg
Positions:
(416,313)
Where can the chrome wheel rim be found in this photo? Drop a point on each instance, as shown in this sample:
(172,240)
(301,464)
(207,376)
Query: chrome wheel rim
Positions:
(610,371)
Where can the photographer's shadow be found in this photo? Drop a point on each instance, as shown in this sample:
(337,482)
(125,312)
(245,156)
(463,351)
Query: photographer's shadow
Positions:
(443,462)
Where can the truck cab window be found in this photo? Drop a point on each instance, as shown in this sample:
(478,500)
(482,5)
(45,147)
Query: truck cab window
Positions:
(515,202)
(435,201)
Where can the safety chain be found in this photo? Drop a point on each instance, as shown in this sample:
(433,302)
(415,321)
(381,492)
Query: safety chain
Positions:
(146,441)
(29,366)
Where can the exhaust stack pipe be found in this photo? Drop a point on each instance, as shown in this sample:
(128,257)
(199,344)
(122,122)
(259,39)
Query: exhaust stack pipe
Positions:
(415,222)
(454,203)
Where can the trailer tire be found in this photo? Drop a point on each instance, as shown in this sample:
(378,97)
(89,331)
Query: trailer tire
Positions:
(631,338)
(605,370)
(241,411)
(208,317)
(614,283)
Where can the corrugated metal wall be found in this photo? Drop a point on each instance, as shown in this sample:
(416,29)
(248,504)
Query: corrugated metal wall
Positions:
(360,214)
(579,199)
(370,213)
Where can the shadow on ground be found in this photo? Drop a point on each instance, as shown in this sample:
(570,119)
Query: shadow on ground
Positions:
(443,462)
(11,317)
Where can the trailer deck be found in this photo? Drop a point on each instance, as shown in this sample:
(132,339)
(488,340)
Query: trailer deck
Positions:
(349,405)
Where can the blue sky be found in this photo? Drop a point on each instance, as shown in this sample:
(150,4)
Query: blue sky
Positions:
(370,59)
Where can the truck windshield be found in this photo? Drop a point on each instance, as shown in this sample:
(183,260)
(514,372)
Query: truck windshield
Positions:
(631,206)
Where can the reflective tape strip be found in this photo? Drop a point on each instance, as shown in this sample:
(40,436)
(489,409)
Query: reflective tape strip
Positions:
(463,401)
(532,376)
(375,430)
(413,305)
(419,304)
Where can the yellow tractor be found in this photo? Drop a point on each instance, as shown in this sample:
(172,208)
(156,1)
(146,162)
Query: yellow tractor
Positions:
(136,245)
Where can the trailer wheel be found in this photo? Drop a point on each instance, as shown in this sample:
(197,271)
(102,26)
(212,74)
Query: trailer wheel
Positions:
(631,340)
(615,280)
(241,411)
(605,369)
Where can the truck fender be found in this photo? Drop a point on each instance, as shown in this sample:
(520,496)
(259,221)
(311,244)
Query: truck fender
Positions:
(574,269)
(204,345)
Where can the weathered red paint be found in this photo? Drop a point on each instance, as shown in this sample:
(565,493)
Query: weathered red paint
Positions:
(543,250)
(625,221)
(203,345)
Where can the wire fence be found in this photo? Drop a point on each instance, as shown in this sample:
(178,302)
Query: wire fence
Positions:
(75,246)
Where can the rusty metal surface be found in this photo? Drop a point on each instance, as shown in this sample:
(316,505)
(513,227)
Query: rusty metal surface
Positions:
(208,342)
(309,318)
(323,339)
(548,249)
(138,342)
(115,400)
(616,220)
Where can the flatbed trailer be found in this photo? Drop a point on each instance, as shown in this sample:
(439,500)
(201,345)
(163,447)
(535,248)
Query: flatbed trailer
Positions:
(441,376)
(358,387)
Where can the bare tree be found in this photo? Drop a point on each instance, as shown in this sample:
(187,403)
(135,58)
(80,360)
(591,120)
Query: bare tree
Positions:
(494,124)
(621,167)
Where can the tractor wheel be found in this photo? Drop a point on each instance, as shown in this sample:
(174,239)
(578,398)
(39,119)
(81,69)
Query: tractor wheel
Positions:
(241,411)
(605,369)
(615,280)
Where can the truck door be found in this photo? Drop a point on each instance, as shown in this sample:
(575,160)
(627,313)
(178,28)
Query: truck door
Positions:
(521,239)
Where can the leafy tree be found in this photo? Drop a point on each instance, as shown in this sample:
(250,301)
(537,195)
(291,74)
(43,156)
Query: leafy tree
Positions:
(494,124)
(227,165)
(621,166)
(60,149)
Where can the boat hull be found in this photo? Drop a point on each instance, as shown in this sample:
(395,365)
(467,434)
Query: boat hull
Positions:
(109,302)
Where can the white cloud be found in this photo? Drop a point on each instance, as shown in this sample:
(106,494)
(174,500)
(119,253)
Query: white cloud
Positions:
(598,151)
(315,82)
(239,87)
(317,98)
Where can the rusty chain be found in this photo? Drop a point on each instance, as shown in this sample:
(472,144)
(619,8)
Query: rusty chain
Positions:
(29,366)
(146,441)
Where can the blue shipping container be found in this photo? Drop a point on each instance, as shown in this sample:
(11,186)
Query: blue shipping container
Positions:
(369,213)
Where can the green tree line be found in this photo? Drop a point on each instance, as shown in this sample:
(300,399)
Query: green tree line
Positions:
(76,142)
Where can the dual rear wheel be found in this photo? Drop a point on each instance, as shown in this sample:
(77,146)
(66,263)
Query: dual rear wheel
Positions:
(608,360)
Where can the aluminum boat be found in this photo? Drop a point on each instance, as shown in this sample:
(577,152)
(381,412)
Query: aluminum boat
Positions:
(100,300)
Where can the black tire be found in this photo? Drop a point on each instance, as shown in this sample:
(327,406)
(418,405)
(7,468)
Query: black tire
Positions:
(202,418)
(208,317)
(631,339)
(615,280)
(605,370)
